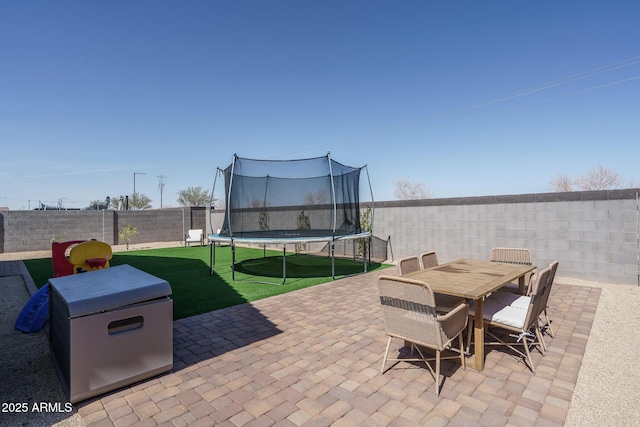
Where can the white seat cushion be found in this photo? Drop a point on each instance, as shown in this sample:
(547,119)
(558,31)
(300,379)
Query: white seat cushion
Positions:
(508,298)
(506,315)
(503,314)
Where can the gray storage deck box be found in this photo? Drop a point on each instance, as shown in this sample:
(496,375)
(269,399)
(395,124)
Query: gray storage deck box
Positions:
(109,328)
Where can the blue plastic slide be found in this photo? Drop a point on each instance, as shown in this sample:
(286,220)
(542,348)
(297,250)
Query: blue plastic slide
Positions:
(35,312)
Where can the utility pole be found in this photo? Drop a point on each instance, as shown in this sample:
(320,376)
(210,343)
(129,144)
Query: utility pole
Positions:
(161,187)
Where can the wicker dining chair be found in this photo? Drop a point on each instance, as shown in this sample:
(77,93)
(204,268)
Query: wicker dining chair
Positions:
(524,322)
(514,256)
(522,301)
(546,326)
(444,303)
(429,259)
(409,265)
(410,314)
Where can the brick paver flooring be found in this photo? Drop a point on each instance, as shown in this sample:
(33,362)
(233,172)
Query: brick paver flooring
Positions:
(312,358)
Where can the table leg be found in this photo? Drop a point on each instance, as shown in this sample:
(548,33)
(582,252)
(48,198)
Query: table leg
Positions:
(521,285)
(477,362)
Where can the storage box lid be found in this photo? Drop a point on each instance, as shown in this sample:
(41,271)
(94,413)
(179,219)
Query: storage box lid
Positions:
(108,289)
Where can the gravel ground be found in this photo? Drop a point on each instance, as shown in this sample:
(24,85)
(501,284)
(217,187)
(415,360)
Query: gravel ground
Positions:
(607,391)
(29,377)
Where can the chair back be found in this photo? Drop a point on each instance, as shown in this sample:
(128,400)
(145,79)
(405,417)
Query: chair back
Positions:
(553,267)
(195,234)
(514,256)
(429,259)
(539,297)
(409,265)
(409,311)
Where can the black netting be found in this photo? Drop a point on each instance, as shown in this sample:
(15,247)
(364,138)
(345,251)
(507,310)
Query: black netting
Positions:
(315,197)
(376,248)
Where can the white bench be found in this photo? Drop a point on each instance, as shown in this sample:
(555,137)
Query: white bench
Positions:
(194,236)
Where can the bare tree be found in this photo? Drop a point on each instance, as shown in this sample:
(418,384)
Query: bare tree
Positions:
(317,198)
(599,178)
(406,189)
(562,183)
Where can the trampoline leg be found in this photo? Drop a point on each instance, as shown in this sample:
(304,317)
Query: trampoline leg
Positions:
(366,252)
(212,258)
(233,261)
(284,263)
(333,260)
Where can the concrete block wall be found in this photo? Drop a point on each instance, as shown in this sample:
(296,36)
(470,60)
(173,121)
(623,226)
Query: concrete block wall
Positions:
(154,225)
(35,230)
(23,231)
(594,235)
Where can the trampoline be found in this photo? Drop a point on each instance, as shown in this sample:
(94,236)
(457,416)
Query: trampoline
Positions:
(291,202)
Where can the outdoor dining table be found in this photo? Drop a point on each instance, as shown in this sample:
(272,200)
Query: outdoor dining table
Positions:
(472,280)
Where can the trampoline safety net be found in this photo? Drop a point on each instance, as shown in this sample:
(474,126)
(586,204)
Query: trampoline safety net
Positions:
(291,198)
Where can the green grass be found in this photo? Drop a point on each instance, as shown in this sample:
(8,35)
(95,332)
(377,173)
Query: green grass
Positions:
(196,292)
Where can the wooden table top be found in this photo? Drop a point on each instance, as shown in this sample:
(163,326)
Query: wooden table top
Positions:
(470,279)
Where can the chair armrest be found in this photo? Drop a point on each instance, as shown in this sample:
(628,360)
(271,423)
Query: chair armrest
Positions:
(462,307)
(454,321)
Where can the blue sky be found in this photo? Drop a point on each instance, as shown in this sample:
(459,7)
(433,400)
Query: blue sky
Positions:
(468,97)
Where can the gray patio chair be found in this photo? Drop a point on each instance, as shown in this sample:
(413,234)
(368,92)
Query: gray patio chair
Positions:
(409,311)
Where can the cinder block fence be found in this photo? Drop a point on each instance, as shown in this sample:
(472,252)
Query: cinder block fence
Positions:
(22,231)
(594,234)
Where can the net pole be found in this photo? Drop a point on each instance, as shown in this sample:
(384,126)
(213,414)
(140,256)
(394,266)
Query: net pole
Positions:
(371,192)
(228,208)
(215,179)
(335,220)
(333,194)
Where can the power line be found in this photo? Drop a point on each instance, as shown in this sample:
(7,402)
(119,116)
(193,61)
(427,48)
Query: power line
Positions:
(555,83)
(577,92)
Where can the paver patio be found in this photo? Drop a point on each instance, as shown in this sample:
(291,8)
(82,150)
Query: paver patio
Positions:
(312,357)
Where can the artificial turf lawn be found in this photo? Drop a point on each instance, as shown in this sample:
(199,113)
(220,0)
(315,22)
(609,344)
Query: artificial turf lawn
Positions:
(196,292)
